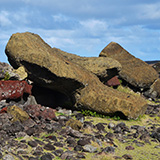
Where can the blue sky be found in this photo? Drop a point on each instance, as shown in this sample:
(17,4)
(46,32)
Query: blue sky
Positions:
(85,27)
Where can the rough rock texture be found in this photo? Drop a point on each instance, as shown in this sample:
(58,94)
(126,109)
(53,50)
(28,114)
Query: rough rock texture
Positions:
(13,89)
(40,111)
(156,66)
(104,67)
(17,113)
(52,70)
(154,91)
(6,72)
(114,81)
(21,73)
(51,139)
(156,87)
(74,124)
(134,71)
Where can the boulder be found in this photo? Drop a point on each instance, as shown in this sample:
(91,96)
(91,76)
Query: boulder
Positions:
(156,66)
(52,70)
(6,72)
(14,89)
(21,73)
(154,90)
(74,124)
(38,112)
(17,113)
(135,71)
(103,67)
(113,82)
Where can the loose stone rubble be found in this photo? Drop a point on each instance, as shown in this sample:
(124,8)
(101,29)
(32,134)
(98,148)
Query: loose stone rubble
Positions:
(42,137)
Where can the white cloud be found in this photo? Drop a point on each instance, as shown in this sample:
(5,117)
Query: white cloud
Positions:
(60,18)
(150,11)
(94,24)
(4,19)
(86,27)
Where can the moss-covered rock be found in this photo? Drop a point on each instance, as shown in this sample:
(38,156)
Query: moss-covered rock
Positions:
(74,124)
(17,113)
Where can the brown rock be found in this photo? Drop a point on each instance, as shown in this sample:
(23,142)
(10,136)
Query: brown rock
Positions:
(114,81)
(156,66)
(134,71)
(21,73)
(103,67)
(154,91)
(17,113)
(74,124)
(50,69)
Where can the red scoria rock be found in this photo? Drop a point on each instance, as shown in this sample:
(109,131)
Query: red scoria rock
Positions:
(40,111)
(14,89)
(114,81)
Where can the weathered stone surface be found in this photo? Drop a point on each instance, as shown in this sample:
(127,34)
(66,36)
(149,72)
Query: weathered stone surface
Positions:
(134,71)
(104,67)
(52,70)
(74,124)
(114,81)
(107,100)
(21,73)
(155,87)
(38,111)
(156,66)
(14,89)
(17,113)
(43,65)
(154,91)
(6,72)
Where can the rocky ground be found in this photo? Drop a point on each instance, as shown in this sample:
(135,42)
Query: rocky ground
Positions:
(72,135)
(43,75)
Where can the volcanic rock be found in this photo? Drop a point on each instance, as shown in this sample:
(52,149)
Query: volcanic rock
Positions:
(21,73)
(51,70)
(38,111)
(135,71)
(14,89)
(105,68)
(74,124)
(6,72)
(114,81)
(17,113)
(156,66)
(154,91)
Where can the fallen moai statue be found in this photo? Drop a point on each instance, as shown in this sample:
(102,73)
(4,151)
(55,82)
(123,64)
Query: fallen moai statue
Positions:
(103,67)
(134,71)
(52,70)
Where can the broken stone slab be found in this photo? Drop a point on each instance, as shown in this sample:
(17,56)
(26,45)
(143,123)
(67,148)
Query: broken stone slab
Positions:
(135,71)
(103,67)
(52,70)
